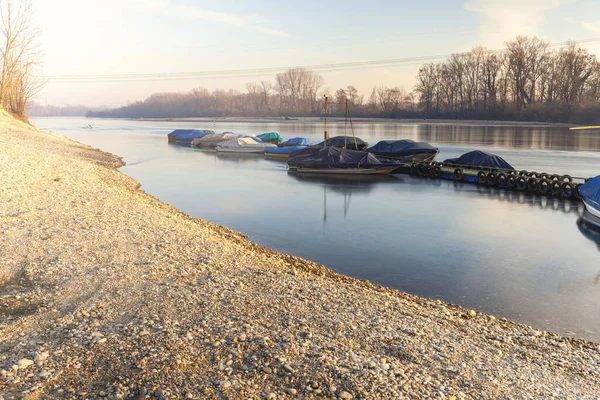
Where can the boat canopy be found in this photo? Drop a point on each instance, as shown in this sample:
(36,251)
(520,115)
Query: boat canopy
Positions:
(333,157)
(346,141)
(404,147)
(186,135)
(212,140)
(297,141)
(480,159)
(242,142)
(270,137)
(590,191)
(284,150)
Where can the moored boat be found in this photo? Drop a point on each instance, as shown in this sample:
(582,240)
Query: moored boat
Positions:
(338,161)
(211,141)
(590,194)
(406,150)
(270,137)
(244,145)
(185,136)
(346,142)
(296,141)
(282,153)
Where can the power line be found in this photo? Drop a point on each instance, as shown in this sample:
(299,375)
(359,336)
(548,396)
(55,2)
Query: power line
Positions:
(255,72)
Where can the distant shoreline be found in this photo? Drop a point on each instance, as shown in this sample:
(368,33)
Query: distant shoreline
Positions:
(337,120)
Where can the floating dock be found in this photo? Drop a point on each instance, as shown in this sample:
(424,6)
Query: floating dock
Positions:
(564,186)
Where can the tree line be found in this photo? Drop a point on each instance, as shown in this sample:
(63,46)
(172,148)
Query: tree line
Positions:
(526,81)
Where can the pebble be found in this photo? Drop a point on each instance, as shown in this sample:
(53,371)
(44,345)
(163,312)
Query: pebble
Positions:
(24,363)
(345,395)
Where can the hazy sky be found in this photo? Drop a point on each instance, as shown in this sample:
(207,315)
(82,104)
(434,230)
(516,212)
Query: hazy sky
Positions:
(98,37)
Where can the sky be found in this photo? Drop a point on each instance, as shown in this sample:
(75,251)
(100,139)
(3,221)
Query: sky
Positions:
(114,37)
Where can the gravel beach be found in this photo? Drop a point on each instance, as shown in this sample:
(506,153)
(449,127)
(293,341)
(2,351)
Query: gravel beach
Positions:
(106,292)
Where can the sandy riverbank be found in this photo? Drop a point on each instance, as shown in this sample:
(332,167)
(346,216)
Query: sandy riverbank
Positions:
(107,292)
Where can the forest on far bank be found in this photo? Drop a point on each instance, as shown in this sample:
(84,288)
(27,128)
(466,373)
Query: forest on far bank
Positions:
(527,81)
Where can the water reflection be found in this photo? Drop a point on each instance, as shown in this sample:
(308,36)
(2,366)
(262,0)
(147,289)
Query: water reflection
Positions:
(345,185)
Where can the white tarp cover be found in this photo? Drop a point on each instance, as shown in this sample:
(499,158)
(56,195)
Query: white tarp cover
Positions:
(244,142)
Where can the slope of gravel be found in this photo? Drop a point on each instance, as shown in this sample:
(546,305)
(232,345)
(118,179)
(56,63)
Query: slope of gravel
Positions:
(105,292)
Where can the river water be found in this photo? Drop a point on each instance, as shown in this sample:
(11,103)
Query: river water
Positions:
(508,254)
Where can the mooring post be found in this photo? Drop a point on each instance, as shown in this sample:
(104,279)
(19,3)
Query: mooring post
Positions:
(325,134)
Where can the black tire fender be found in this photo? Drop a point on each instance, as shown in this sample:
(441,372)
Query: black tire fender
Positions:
(481,177)
(459,174)
(501,179)
(511,181)
(521,183)
(532,184)
(567,189)
(544,187)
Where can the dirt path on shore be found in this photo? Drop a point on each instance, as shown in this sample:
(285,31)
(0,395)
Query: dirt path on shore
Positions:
(105,292)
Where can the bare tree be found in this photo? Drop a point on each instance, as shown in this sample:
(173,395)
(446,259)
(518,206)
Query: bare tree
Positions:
(19,56)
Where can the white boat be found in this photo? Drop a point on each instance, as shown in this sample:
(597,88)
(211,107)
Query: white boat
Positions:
(590,194)
(244,145)
(212,140)
(592,207)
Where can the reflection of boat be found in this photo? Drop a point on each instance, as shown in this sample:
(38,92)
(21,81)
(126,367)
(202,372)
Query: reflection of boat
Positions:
(407,151)
(589,226)
(282,153)
(244,145)
(238,157)
(338,161)
(590,194)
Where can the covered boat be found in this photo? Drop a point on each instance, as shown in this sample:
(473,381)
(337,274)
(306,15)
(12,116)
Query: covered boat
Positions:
(335,160)
(590,194)
(347,142)
(478,158)
(244,145)
(297,141)
(211,141)
(282,153)
(270,137)
(405,150)
(185,136)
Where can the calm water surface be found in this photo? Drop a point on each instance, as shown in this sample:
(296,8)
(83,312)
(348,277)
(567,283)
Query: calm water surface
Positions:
(508,254)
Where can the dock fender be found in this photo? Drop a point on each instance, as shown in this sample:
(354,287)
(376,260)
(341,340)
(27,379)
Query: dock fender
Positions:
(459,174)
(502,179)
(532,184)
(521,183)
(511,181)
(481,177)
(567,189)
(544,186)
(555,188)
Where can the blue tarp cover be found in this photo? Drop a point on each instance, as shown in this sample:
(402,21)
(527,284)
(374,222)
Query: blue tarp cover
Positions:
(297,141)
(405,147)
(284,150)
(332,157)
(590,191)
(480,159)
(186,135)
(338,141)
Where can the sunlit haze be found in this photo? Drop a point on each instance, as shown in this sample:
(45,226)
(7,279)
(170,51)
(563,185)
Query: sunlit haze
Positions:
(93,37)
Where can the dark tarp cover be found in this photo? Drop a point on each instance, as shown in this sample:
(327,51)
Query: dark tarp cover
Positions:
(405,147)
(333,157)
(480,159)
(590,191)
(284,150)
(186,135)
(297,141)
(338,141)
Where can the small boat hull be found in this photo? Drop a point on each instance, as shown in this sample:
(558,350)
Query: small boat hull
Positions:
(413,158)
(592,207)
(280,157)
(344,171)
(248,150)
